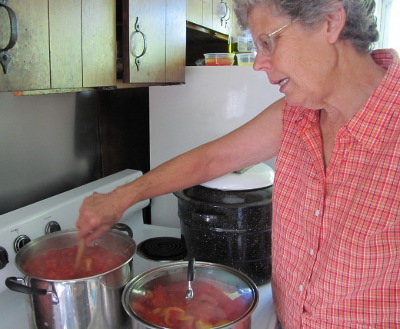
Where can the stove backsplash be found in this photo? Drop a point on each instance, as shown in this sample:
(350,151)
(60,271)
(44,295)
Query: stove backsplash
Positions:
(53,143)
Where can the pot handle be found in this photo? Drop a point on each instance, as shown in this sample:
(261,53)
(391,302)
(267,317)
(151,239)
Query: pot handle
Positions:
(14,283)
(18,285)
(123,228)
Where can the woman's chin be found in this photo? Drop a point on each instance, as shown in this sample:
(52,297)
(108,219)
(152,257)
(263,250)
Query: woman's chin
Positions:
(295,101)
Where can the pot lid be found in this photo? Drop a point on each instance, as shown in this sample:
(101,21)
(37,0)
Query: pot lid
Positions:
(258,176)
(229,292)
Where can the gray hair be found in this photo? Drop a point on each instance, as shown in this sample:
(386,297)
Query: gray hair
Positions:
(360,27)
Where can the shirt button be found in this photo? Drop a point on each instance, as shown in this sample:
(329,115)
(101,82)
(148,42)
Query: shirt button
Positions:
(301,288)
(311,252)
(317,212)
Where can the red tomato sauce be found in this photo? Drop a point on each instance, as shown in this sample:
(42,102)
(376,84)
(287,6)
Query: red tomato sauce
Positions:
(59,264)
(219,61)
(166,306)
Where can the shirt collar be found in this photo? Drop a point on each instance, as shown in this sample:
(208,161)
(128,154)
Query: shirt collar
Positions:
(370,122)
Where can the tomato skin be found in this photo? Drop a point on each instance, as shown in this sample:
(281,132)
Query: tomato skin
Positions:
(159,297)
(201,324)
(173,315)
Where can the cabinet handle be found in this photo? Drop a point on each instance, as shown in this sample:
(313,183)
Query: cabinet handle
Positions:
(5,56)
(133,52)
(224,12)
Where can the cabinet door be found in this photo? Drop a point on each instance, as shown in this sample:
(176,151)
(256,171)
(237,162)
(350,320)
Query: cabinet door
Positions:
(208,13)
(61,44)
(175,32)
(194,11)
(82,43)
(154,40)
(65,43)
(99,54)
(30,65)
(144,53)
(200,12)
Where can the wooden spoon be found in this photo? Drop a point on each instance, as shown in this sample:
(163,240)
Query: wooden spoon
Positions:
(79,254)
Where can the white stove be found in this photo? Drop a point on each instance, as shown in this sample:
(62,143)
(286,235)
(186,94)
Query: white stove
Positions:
(32,221)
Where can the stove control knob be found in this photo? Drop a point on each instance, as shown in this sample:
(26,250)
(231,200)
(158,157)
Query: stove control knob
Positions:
(3,258)
(51,227)
(21,241)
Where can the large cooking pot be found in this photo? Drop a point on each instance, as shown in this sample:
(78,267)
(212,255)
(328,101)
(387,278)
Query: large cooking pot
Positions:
(82,303)
(228,221)
(222,298)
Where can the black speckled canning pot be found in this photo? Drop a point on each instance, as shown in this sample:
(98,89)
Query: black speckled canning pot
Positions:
(231,228)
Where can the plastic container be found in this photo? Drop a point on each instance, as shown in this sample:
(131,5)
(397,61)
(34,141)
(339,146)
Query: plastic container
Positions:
(219,59)
(245,59)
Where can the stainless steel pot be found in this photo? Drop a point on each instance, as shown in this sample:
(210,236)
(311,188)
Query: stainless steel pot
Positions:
(92,302)
(237,287)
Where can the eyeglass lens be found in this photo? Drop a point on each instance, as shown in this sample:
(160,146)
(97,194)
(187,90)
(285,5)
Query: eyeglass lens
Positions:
(265,43)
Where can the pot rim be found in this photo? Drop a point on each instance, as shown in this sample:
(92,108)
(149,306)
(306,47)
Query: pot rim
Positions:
(127,290)
(182,196)
(34,242)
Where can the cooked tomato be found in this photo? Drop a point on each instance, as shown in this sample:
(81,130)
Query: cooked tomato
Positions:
(59,264)
(166,306)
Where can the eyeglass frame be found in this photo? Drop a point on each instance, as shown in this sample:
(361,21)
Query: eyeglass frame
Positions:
(271,36)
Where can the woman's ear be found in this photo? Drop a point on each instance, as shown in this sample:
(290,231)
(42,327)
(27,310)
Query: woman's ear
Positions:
(335,23)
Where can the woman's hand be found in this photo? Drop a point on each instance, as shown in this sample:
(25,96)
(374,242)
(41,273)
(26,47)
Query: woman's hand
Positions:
(98,213)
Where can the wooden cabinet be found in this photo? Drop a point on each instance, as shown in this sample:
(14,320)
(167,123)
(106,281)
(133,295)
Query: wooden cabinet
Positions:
(213,14)
(99,55)
(29,67)
(60,45)
(70,45)
(194,11)
(154,41)
(200,12)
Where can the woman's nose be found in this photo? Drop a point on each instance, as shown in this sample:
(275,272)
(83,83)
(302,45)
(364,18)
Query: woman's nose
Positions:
(262,62)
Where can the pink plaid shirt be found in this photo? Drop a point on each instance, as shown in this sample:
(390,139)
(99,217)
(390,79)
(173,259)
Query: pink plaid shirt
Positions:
(336,234)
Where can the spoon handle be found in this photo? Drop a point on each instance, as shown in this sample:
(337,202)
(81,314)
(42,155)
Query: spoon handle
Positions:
(190,277)
(190,273)
(79,254)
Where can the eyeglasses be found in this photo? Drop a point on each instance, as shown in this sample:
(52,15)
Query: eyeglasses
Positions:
(266,42)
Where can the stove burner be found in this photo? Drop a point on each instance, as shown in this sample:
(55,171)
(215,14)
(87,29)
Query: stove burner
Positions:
(162,248)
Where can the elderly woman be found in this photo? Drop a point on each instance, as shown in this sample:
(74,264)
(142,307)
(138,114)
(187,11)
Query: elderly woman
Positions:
(336,224)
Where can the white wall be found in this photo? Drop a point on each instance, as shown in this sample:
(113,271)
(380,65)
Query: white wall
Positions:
(214,101)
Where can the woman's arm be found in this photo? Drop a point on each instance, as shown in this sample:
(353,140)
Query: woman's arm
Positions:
(256,141)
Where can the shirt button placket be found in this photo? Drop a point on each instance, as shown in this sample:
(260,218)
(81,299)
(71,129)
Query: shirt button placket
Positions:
(317,213)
